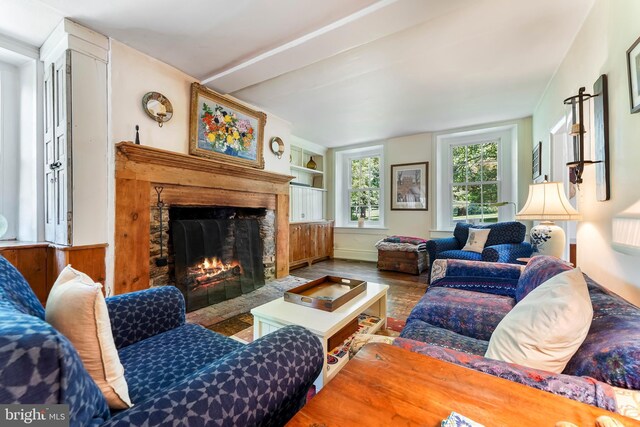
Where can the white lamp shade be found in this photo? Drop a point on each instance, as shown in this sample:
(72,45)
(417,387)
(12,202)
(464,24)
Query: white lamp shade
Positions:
(547,201)
(626,230)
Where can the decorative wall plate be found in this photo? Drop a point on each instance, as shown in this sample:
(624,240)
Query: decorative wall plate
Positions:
(277,146)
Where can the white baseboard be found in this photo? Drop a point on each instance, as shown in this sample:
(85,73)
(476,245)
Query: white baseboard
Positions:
(356,254)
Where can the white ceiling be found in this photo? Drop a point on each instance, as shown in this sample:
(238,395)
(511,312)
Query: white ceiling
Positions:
(342,71)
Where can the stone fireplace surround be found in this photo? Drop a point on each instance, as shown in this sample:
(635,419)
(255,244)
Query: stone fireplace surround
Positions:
(186,181)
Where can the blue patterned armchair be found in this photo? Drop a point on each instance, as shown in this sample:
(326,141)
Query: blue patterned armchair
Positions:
(177,373)
(504,244)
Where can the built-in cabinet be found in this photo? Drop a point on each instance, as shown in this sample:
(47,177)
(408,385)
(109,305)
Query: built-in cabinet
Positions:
(310,242)
(75,135)
(308,196)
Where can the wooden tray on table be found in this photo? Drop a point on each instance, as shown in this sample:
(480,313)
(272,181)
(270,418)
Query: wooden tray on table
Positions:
(326,293)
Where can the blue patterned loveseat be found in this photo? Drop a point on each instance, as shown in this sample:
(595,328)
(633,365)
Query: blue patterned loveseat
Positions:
(177,373)
(466,300)
(504,244)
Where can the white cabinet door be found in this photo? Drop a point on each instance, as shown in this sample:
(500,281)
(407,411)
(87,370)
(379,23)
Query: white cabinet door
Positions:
(57,140)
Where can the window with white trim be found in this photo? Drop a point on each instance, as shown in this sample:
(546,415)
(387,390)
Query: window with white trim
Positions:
(359,187)
(475,173)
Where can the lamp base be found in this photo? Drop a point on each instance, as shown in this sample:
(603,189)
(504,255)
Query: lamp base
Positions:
(548,239)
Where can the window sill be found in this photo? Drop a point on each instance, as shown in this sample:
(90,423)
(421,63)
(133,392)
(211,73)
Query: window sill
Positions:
(360,230)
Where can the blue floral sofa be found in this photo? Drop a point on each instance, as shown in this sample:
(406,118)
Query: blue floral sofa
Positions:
(177,373)
(504,244)
(467,299)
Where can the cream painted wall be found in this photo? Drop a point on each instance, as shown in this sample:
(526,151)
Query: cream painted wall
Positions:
(600,48)
(359,243)
(133,74)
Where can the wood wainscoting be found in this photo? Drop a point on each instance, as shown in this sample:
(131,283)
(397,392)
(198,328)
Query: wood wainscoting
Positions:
(41,263)
(186,181)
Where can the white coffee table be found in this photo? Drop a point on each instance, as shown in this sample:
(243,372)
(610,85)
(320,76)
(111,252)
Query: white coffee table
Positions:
(278,313)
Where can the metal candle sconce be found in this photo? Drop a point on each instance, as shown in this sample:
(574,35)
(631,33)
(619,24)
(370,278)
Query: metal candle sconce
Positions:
(161,261)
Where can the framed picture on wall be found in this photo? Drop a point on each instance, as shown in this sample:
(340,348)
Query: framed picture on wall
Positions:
(409,187)
(633,65)
(225,130)
(537,161)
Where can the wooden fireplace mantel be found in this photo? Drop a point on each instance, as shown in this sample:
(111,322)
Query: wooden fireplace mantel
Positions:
(186,181)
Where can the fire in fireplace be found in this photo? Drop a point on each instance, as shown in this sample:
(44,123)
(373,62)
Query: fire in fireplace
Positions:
(217,259)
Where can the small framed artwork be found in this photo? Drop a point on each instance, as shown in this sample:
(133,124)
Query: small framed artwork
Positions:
(222,129)
(537,161)
(409,187)
(633,65)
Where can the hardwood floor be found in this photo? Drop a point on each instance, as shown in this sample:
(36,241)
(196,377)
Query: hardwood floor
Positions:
(404,290)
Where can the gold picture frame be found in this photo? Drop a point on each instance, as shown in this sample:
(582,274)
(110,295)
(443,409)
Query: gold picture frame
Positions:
(225,130)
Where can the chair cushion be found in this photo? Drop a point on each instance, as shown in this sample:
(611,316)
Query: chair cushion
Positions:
(158,362)
(76,308)
(460,254)
(469,313)
(538,270)
(15,289)
(545,329)
(422,332)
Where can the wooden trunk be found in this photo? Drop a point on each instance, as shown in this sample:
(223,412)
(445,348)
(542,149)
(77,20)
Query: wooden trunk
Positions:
(404,262)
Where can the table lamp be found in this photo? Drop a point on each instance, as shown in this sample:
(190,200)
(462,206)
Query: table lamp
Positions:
(547,202)
(626,230)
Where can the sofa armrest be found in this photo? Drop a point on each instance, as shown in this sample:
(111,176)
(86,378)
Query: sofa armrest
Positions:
(489,277)
(583,389)
(262,383)
(435,246)
(507,252)
(139,315)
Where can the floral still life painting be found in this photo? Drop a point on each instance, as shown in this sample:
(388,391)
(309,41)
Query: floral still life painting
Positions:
(222,129)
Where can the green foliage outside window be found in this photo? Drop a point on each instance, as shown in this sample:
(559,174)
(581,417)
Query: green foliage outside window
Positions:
(475,182)
(364,189)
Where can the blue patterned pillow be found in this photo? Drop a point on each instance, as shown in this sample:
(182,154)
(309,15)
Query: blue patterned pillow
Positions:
(539,270)
(15,289)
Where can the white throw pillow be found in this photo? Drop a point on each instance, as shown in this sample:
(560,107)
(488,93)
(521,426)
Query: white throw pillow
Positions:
(77,309)
(476,240)
(546,328)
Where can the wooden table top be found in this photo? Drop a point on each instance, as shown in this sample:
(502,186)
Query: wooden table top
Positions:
(386,385)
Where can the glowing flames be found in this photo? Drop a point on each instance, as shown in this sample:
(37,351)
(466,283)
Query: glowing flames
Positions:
(213,266)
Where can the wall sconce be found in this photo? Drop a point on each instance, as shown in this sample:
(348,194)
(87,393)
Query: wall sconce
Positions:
(578,109)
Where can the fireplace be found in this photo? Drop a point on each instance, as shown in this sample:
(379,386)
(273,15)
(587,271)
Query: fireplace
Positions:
(218,252)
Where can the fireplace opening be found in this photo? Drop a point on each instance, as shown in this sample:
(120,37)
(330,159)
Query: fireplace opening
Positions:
(218,253)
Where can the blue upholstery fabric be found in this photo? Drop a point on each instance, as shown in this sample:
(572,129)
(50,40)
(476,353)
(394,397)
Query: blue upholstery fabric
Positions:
(610,353)
(505,243)
(418,330)
(16,290)
(162,360)
(538,270)
(262,383)
(473,314)
(178,374)
(507,252)
(491,278)
(37,363)
(582,389)
(139,315)
(460,254)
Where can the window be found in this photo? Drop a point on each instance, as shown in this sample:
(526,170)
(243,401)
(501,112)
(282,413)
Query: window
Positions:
(359,186)
(475,185)
(474,174)
(364,189)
